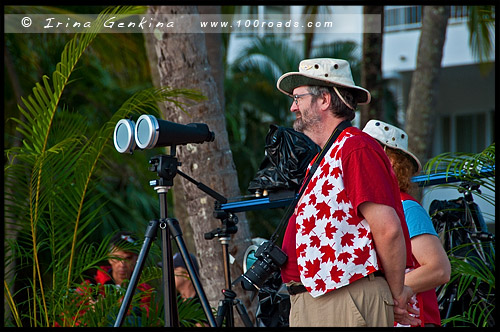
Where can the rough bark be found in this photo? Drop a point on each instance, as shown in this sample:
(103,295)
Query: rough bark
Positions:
(425,79)
(213,42)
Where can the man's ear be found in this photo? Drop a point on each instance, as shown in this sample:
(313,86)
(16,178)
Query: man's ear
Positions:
(326,100)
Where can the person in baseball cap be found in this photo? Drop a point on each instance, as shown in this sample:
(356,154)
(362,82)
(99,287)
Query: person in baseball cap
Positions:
(183,282)
(185,287)
(179,262)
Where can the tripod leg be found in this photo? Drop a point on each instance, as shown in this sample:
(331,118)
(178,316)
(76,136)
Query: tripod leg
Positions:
(221,312)
(175,229)
(149,236)
(168,279)
(228,312)
(452,298)
(242,311)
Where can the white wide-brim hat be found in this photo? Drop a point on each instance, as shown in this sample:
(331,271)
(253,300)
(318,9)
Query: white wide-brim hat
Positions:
(391,136)
(323,72)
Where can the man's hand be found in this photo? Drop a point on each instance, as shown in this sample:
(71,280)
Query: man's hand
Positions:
(403,308)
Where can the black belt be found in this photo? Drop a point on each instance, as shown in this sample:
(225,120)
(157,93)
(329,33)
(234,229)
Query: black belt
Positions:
(297,289)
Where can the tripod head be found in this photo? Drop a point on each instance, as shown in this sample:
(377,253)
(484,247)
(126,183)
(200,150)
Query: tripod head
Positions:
(166,167)
(229,221)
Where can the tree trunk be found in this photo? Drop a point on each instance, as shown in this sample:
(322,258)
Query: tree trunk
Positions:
(422,96)
(213,42)
(424,84)
(371,73)
(182,63)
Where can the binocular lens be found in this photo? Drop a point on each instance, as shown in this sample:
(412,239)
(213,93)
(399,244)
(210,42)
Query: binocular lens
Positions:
(123,136)
(147,131)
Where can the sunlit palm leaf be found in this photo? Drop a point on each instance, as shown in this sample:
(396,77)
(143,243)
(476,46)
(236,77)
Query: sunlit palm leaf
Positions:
(467,167)
(473,265)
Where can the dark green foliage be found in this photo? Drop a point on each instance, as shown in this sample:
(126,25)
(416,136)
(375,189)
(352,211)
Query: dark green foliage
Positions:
(55,196)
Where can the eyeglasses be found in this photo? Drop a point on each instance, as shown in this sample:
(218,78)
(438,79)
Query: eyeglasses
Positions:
(127,238)
(296,97)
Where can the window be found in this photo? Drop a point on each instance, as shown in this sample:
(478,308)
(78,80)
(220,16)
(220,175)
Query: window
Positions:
(458,12)
(402,17)
(468,136)
(413,14)
(398,18)
(470,133)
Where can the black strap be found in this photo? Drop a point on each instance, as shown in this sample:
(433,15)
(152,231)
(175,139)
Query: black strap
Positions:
(289,211)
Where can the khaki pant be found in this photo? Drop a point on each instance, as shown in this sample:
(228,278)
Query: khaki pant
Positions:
(365,302)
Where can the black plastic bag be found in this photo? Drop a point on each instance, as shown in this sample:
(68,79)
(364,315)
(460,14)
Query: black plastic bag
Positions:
(273,309)
(288,154)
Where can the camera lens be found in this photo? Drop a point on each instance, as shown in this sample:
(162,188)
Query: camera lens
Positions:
(269,258)
(246,283)
(256,275)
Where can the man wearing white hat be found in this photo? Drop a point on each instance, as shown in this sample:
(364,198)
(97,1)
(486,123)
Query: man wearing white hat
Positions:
(433,267)
(347,241)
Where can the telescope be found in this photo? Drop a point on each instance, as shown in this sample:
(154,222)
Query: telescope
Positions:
(150,132)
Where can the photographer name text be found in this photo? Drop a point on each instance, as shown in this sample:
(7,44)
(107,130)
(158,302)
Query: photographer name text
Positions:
(110,23)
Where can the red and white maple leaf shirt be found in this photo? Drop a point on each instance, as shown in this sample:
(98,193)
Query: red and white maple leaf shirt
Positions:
(327,240)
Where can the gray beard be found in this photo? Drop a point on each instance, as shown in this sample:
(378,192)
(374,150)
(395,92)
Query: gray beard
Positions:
(301,126)
(298,125)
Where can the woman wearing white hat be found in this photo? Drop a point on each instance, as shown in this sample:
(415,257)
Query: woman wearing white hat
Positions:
(434,267)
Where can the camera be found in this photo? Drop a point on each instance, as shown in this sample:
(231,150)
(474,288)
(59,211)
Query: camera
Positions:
(269,258)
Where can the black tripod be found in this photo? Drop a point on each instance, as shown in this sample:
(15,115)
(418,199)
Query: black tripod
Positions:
(166,167)
(225,309)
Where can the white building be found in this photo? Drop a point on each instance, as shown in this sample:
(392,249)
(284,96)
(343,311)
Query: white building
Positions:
(465,110)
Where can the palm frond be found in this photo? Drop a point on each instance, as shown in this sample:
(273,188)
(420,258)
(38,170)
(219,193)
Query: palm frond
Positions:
(466,167)
(478,315)
(190,312)
(52,199)
(269,56)
(11,303)
(151,273)
(50,154)
(471,268)
(481,23)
